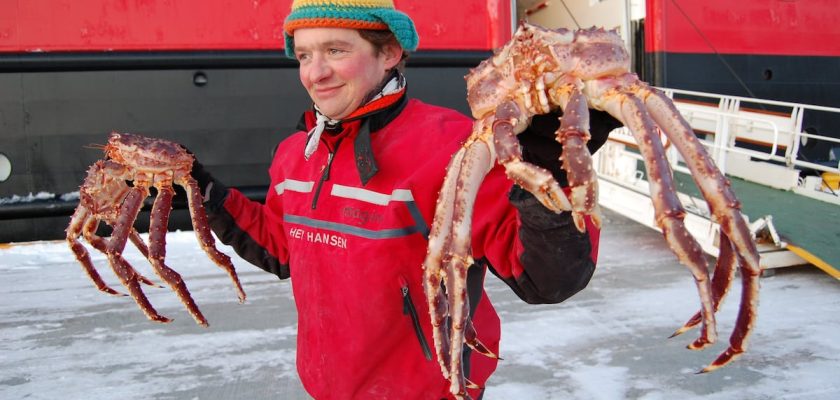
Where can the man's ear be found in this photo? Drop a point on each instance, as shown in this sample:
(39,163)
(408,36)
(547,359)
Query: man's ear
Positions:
(393,55)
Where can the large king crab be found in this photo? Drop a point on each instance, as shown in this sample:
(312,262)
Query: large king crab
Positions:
(538,71)
(106,197)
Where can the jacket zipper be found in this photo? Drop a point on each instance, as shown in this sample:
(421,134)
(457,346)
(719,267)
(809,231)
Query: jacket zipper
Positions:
(408,308)
(325,176)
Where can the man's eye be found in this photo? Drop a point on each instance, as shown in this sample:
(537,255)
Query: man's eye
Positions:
(302,57)
(335,51)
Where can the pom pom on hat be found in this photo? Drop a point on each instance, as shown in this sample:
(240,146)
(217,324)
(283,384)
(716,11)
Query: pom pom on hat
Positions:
(351,14)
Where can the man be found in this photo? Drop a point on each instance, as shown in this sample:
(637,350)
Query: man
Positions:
(351,199)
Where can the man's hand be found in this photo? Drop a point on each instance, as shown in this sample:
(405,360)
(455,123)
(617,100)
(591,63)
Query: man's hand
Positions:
(213,191)
(539,146)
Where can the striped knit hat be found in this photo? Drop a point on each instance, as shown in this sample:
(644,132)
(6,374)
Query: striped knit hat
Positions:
(352,14)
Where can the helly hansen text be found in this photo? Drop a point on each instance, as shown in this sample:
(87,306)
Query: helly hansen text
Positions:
(318,237)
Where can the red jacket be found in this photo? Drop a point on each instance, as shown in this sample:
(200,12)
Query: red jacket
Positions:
(354,252)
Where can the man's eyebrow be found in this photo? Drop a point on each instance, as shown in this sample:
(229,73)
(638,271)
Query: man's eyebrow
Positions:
(327,44)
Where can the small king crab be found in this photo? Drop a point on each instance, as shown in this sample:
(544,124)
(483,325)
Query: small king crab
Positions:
(538,71)
(106,197)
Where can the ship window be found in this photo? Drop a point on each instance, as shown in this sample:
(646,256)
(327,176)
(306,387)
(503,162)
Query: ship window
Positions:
(5,167)
(768,74)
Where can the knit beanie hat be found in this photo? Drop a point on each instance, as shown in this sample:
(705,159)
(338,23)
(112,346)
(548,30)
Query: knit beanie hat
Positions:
(352,14)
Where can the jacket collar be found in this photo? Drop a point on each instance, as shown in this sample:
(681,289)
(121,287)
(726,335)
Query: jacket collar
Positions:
(368,123)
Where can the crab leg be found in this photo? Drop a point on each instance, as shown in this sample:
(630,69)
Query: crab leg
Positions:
(135,238)
(721,281)
(745,321)
(476,164)
(127,275)
(577,161)
(78,223)
(99,243)
(471,338)
(439,239)
(157,251)
(510,120)
(448,260)
(205,238)
(725,208)
(668,210)
(84,223)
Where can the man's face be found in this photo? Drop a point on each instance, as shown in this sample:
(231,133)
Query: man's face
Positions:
(339,68)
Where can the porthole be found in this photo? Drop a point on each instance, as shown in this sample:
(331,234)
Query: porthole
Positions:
(5,167)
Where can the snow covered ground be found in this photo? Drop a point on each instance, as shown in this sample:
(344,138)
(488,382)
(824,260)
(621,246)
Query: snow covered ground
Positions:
(62,339)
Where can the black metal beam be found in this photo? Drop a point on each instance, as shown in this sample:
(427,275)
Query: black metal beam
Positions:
(61,208)
(157,60)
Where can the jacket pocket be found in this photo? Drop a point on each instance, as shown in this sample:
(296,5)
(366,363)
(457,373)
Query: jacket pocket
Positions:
(411,311)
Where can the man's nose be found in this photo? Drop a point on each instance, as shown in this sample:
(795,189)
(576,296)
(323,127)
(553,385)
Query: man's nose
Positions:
(319,70)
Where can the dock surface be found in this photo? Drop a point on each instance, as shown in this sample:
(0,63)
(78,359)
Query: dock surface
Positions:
(61,338)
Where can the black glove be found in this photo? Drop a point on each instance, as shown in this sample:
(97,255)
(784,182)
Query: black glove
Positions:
(214,198)
(556,255)
(539,146)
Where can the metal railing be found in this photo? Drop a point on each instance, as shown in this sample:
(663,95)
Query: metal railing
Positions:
(727,119)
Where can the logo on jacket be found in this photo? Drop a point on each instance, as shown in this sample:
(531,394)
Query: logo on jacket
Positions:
(318,237)
(361,216)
